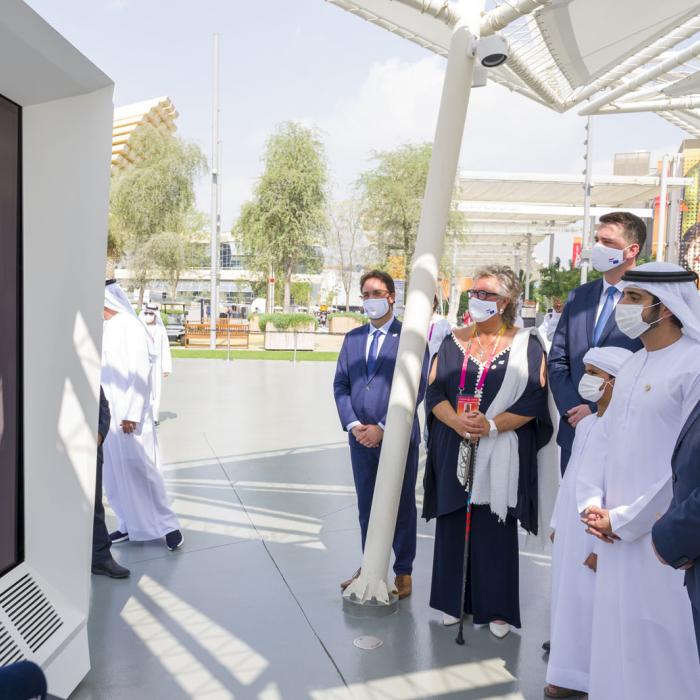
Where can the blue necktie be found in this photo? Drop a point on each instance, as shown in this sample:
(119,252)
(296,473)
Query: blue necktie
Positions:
(373,353)
(608,307)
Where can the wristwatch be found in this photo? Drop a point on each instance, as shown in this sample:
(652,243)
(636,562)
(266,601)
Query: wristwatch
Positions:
(493,430)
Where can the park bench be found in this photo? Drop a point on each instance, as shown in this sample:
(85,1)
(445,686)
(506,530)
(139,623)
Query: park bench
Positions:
(238,334)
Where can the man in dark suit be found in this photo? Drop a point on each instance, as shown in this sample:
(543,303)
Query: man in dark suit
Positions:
(676,535)
(102,561)
(588,320)
(361,387)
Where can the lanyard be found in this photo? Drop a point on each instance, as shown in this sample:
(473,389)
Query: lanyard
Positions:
(486,367)
(430,334)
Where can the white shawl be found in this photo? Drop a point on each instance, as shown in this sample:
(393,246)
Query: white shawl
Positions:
(497,465)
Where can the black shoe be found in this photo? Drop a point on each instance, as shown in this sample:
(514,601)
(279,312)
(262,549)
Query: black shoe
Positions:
(174,540)
(117,536)
(157,423)
(546,646)
(110,568)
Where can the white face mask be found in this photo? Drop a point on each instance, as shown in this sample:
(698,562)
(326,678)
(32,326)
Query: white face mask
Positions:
(376,308)
(591,388)
(604,258)
(482,310)
(629,319)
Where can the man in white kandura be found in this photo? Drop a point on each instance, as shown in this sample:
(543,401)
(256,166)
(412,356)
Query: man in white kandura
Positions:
(160,350)
(573,555)
(643,642)
(132,478)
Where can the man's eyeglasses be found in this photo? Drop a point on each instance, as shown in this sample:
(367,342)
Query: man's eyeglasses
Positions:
(148,313)
(375,294)
(483,295)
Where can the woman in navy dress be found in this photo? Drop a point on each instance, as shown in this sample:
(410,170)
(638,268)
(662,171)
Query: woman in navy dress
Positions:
(479,356)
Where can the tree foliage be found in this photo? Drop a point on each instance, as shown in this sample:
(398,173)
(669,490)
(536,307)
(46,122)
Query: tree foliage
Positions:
(282,228)
(156,193)
(557,281)
(345,239)
(392,199)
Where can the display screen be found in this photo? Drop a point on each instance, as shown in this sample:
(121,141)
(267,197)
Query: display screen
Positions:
(11,540)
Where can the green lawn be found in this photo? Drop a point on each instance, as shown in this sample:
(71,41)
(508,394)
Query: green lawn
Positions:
(302,356)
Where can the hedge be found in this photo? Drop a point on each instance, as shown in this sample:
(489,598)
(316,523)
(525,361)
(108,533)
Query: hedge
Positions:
(284,322)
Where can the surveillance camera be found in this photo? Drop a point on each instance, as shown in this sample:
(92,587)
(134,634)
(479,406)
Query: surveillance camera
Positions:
(492,51)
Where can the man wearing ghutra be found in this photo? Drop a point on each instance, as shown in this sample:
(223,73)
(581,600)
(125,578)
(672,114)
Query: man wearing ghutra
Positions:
(132,477)
(573,555)
(162,358)
(643,643)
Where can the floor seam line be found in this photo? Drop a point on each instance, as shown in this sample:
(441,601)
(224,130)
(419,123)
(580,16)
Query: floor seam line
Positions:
(279,571)
(184,552)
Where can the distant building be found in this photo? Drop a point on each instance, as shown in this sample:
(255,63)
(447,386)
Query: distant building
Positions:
(689,253)
(635,163)
(159,112)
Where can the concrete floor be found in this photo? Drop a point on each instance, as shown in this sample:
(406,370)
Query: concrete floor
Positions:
(249,608)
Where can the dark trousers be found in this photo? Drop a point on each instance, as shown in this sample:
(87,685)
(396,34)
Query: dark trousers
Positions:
(493,587)
(365,461)
(101,543)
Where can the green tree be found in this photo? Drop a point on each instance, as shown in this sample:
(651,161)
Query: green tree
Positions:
(284,225)
(557,281)
(345,239)
(392,199)
(154,195)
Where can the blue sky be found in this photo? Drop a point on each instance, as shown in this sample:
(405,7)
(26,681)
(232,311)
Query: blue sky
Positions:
(306,60)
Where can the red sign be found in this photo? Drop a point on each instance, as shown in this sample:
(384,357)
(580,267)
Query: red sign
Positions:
(576,253)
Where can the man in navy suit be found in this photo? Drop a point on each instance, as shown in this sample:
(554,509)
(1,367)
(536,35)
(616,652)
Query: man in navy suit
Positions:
(588,320)
(676,536)
(361,387)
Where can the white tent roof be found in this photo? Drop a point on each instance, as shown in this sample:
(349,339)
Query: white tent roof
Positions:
(626,55)
(565,190)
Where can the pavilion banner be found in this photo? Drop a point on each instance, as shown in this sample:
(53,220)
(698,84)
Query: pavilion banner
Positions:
(576,253)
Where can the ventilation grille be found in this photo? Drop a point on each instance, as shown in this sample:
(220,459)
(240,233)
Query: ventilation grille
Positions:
(30,612)
(9,651)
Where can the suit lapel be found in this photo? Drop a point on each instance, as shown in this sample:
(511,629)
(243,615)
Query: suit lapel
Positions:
(389,346)
(592,308)
(692,420)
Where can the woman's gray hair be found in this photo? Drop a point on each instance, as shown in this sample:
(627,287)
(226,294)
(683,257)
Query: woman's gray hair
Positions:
(509,288)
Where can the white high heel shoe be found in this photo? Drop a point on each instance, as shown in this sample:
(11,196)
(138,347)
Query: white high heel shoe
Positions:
(499,629)
(448,620)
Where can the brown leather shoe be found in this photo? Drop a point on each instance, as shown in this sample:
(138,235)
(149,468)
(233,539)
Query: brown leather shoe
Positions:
(555,691)
(345,584)
(403,585)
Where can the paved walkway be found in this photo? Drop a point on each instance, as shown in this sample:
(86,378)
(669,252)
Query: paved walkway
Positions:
(250,608)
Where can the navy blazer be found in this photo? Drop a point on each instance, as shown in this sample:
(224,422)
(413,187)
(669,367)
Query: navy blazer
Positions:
(365,398)
(676,535)
(572,340)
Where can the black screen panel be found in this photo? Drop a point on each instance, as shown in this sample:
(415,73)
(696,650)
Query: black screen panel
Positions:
(11,545)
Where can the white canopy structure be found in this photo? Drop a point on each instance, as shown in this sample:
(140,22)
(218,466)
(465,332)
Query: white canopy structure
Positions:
(624,56)
(606,57)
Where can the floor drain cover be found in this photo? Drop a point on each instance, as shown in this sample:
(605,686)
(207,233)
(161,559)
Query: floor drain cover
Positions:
(368,643)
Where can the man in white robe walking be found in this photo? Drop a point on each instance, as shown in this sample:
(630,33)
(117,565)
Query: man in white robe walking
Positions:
(132,477)
(643,643)
(162,358)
